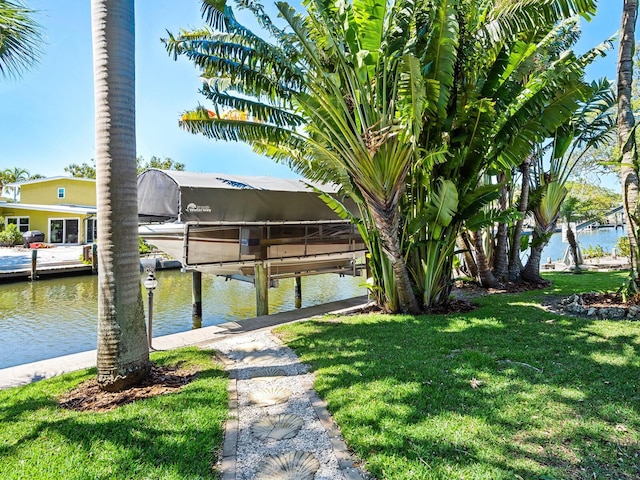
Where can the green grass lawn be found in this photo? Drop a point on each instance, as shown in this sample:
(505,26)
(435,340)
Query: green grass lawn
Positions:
(173,436)
(555,397)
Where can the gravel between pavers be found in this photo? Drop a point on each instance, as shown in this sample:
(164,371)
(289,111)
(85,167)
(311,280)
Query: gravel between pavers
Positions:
(313,436)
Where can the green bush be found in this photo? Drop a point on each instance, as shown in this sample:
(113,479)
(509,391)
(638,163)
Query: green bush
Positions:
(144,247)
(623,247)
(10,236)
(593,251)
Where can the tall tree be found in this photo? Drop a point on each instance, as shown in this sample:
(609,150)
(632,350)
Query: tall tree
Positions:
(81,171)
(123,352)
(89,171)
(157,162)
(20,39)
(327,75)
(589,127)
(405,105)
(626,137)
(14,175)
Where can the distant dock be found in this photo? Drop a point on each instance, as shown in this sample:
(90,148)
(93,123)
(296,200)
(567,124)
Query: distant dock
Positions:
(16,263)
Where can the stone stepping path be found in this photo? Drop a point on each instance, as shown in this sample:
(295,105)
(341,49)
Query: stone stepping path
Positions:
(289,466)
(278,428)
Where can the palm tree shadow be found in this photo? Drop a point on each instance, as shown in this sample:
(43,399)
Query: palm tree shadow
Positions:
(566,365)
(133,436)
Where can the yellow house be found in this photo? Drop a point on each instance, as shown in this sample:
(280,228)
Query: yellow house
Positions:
(63,208)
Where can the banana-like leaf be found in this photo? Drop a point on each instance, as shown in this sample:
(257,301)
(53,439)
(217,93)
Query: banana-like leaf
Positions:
(439,212)
(442,207)
(486,218)
(443,46)
(472,202)
(369,17)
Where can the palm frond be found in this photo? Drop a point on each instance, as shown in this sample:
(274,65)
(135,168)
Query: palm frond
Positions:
(199,121)
(20,39)
(213,13)
(508,18)
(259,111)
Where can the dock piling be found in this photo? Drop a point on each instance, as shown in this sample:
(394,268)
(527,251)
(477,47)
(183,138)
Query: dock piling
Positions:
(298,292)
(262,289)
(34,264)
(196,294)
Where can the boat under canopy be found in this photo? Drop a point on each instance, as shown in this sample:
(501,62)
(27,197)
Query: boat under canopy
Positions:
(226,224)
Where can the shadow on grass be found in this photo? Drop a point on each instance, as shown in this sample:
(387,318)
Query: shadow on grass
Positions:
(169,436)
(554,397)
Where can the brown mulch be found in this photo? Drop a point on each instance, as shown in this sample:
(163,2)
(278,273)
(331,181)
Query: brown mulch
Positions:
(456,305)
(162,380)
(604,300)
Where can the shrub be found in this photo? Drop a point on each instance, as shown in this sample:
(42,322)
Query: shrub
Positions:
(145,247)
(10,236)
(624,247)
(593,251)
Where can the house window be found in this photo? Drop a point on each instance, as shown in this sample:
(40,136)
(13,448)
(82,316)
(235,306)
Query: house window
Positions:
(61,192)
(91,230)
(63,230)
(21,222)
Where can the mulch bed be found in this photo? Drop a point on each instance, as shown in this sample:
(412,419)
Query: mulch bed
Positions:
(88,397)
(605,300)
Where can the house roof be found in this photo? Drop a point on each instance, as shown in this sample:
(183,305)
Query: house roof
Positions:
(73,209)
(48,179)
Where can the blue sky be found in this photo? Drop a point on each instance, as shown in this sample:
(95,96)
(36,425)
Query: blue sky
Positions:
(46,119)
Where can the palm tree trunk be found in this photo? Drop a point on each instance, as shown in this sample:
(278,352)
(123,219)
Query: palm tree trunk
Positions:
(487,279)
(386,221)
(463,243)
(514,254)
(123,352)
(531,271)
(573,246)
(501,255)
(626,141)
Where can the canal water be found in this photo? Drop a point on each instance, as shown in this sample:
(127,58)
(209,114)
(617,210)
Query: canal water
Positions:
(53,317)
(604,237)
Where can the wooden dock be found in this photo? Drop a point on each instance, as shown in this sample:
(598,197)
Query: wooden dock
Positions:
(45,270)
(18,263)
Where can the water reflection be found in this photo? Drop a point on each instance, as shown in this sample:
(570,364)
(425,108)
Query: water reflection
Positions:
(53,317)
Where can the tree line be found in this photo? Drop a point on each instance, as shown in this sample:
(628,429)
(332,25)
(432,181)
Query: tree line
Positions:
(86,170)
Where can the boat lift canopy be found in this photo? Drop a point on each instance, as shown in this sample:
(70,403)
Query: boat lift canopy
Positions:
(166,195)
(226,224)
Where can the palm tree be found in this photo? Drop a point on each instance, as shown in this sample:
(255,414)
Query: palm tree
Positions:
(404,105)
(506,89)
(590,126)
(13,175)
(356,133)
(20,38)
(626,136)
(123,352)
